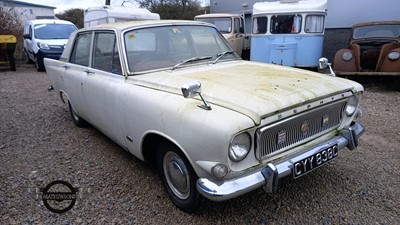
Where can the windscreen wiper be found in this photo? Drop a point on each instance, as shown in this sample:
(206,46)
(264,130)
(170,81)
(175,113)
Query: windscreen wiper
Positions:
(220,55)
(194,59)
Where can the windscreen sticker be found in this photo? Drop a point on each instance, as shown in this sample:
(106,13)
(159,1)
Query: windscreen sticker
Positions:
(131,36)
(176,30)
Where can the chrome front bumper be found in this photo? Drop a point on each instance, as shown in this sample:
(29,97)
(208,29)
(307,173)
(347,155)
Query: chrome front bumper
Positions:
(268,176)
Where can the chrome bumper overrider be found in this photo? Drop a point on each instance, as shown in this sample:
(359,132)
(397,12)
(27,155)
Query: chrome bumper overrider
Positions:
(268,176)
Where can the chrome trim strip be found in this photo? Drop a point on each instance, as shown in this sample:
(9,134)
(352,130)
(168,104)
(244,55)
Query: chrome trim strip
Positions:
(270,175)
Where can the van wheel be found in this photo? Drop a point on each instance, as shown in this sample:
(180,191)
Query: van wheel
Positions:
(178,177)
(78,121)
(39,64)
(28,60)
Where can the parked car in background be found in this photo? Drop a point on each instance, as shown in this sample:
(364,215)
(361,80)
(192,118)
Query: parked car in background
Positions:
(176,94)
(231,27)
(45,38)
(374,49)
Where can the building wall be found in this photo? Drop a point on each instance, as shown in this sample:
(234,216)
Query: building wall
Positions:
(30,11)
(335,39)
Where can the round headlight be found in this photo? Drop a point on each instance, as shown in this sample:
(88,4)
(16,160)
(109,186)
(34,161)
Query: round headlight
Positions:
(240,147)
(347,56)
(394,56)
(351,106)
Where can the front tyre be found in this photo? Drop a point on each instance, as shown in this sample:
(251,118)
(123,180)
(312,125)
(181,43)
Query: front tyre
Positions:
(78,121)
(28,60)
(178,177)
(39,64)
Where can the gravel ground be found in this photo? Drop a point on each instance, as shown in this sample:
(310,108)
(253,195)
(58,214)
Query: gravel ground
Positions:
(40,144)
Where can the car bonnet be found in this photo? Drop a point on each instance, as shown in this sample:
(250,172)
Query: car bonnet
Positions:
(253,89)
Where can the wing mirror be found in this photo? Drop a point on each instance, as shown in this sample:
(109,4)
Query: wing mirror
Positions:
(191,90)
(27,36)
(324,64)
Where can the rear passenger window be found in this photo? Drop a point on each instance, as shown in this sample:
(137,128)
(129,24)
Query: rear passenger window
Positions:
(105,53)
(81,51)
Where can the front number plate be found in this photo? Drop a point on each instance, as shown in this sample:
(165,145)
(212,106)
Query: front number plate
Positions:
(314,161)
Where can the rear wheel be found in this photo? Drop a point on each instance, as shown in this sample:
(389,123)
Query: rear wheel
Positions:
(178,177)
(78,121)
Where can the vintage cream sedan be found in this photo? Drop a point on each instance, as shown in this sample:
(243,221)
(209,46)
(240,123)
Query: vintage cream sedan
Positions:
(175,94)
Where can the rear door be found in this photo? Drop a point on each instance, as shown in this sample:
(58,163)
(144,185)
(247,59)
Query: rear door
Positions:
(102,84)
(76,72)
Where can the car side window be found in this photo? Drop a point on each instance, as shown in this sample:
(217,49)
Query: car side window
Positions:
(81,51)
(105,55)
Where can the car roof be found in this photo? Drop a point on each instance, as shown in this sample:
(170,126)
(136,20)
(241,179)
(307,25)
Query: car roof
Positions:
(49,21)
(142,23)
(376,23)
(213,15)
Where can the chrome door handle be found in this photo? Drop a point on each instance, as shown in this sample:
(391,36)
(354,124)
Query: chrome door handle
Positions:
(66,66)
(88,72)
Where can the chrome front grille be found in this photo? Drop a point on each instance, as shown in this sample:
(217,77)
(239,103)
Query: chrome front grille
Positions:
(298,129)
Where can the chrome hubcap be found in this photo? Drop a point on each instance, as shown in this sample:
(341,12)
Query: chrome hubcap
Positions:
(176,174)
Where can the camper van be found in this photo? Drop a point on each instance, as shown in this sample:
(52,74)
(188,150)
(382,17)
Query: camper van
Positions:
(232,27)
(111,14)
(288,32)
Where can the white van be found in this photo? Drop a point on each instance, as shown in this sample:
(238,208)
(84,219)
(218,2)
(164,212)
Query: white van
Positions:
(111,14)
(45,38)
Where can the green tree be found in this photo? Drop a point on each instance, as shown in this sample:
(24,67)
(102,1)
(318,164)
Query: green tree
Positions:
(75,16)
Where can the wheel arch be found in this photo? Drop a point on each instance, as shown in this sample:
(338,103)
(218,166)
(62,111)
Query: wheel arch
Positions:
(152,139)
(64,97)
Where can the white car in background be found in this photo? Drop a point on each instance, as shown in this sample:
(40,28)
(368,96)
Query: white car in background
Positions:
(176,94)
(46,38)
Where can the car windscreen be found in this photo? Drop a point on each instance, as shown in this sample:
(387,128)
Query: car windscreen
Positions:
(377,31)
(53,31)
(166,46)
(223,24)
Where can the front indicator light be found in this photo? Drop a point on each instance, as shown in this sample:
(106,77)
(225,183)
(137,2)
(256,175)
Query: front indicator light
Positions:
(219,170)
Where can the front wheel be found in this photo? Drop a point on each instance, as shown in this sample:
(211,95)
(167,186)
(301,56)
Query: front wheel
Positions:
(39,64)
(178,177)
(28,60)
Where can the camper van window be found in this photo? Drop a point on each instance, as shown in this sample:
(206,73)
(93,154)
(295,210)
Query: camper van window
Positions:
(260,25)
(314,24)
(237,25)
(286,24)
